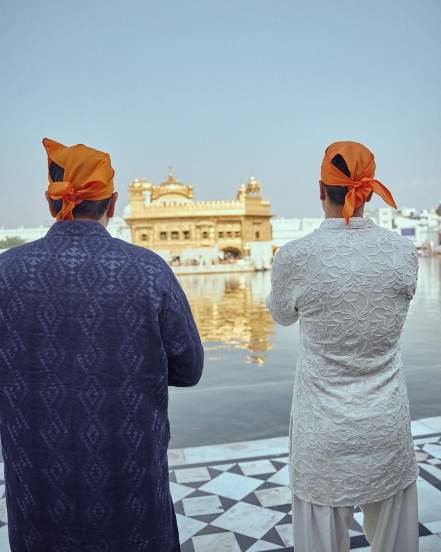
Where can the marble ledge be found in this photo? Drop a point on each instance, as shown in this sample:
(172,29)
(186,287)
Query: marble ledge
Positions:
(265,447)
(228,451)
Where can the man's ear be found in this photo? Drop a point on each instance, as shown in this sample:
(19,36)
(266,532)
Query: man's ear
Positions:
(111,207)
(51,205)
(322,191)
(369,197)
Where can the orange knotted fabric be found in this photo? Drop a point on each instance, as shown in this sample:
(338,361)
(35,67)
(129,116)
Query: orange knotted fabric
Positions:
(88,175)
(361,164)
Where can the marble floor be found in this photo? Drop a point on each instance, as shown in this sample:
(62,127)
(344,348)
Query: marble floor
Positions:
(235,497)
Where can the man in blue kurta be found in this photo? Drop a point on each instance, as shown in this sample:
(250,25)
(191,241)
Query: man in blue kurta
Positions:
(92,332)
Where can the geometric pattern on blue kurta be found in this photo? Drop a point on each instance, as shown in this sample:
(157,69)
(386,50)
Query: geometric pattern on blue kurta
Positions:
(92,332)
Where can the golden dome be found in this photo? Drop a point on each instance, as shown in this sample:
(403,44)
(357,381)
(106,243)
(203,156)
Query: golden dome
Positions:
(171,189)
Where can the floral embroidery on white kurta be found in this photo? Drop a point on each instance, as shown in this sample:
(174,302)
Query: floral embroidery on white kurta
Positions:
(350,287)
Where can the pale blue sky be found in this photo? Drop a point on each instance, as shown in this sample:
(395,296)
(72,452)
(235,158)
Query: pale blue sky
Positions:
(222,90)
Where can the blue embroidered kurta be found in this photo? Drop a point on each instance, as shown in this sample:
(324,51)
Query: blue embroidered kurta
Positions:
(92,332)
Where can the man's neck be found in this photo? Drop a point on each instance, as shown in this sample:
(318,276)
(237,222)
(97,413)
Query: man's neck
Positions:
(103,220)
(332,211)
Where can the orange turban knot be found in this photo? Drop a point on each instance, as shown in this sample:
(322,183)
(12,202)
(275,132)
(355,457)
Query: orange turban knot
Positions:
(361,183)
(88,175)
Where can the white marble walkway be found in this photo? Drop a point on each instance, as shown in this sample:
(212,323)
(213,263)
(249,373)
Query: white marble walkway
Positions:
(235,497)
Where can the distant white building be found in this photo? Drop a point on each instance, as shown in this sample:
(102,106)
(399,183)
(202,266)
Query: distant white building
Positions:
(116,227)
(288,229)
(422,228)
(384,217)
(25,234)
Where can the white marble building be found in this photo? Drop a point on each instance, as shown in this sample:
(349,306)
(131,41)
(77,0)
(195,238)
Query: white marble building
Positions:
(423,228)
(117,228)
(25,234)
(288,229)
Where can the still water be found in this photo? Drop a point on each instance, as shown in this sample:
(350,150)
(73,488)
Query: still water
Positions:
(245,392)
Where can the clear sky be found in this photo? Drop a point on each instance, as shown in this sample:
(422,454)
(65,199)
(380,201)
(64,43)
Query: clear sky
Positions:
(222,90)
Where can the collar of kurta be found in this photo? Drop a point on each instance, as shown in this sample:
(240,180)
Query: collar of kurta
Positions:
(77,228)
(354,222)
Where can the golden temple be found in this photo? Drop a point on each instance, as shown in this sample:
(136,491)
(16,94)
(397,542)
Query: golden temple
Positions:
(167,218)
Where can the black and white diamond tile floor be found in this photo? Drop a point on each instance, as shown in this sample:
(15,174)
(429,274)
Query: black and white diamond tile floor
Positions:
(235,497)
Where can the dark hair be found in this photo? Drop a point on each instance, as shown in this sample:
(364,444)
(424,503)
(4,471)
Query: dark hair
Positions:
(337,194)
(90,209)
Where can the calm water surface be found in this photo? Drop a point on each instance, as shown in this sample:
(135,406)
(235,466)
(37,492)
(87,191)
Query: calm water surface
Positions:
(245,392)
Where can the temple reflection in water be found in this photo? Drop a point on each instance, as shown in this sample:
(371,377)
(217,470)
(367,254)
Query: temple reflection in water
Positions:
(230,312)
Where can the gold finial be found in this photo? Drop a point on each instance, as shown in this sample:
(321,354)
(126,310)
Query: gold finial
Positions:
(171,177)
(253,186)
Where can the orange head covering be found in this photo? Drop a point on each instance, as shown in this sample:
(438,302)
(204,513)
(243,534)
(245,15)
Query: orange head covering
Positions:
(88,175)
(361,183)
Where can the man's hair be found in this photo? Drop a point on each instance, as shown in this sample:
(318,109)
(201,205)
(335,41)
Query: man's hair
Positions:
(88,209)
(337,194)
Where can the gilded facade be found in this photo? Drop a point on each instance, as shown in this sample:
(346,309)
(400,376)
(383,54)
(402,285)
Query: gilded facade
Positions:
(166,217)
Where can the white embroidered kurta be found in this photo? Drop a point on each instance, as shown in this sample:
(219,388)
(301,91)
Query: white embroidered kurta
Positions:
(350,287)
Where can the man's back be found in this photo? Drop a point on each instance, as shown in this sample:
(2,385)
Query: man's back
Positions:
(354,284)
(90,328)
(350,285)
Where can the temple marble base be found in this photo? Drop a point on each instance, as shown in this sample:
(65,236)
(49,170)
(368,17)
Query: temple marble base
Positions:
(235,497)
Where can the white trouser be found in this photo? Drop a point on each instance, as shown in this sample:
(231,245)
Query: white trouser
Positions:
(390,525)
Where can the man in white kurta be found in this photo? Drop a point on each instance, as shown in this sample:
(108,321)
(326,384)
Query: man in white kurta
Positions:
(349,283)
